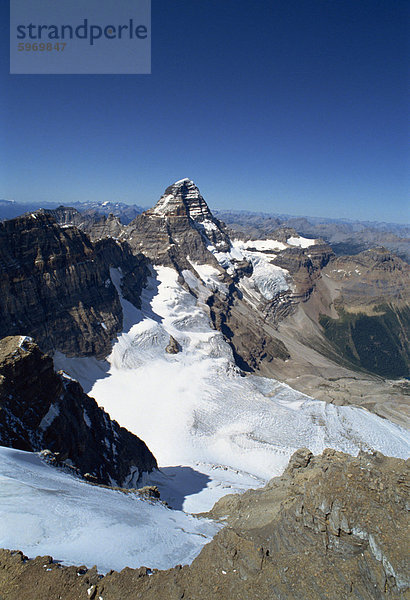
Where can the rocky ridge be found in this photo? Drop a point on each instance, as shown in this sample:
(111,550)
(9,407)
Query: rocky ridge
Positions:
(332,526)
(44,410)
(55,285)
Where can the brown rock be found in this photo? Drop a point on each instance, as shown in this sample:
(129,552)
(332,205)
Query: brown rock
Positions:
(318,531)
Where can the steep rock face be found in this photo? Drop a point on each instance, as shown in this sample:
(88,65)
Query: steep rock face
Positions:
(55,286)
(104,226)
(179,226)
(96,225)
(332,526)
(65,216)
(40,409)
(134,267)
(370,278)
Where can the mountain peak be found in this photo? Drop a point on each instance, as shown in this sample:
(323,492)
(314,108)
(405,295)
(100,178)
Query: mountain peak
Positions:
(179,224)
(186,180)
(183,198)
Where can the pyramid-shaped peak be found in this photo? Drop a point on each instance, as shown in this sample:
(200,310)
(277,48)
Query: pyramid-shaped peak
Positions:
(185,181)
(185,188)
(183,198)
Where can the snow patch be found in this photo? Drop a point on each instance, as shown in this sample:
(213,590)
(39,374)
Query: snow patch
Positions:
(24,339)
(263,245)
(46,511)
(86,418)
(52,413)
(301,242)
(211,277)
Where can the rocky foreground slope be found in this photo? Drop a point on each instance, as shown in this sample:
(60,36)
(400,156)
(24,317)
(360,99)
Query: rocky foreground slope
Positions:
(332,526)
(44,410)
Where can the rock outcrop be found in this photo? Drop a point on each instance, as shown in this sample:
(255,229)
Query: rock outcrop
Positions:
(55,285)
(40,409)
(332,526)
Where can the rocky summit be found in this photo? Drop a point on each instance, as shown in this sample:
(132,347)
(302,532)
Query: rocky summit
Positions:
(179,229)
(332,526)
(41,410)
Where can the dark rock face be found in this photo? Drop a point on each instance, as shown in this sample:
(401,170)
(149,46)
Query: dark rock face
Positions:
(332,526)
(40,409)
(93,223)
(134,267)
(55,286)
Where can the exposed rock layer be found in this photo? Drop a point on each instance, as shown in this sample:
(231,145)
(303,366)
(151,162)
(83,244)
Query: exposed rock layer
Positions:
(40,409)
(55,285)
(179,228)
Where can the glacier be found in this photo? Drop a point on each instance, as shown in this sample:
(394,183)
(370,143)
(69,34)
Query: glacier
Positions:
(45,511)
(213,431)
(196,409)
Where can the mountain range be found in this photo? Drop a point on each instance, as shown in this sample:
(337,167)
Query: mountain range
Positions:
(190,355)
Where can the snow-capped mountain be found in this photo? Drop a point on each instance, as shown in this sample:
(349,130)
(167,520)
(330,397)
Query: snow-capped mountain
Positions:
(204,343)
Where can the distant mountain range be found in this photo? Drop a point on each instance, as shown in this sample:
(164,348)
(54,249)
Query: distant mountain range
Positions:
(344,235)
(10,209)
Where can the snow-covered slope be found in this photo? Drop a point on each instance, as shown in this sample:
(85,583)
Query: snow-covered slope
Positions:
(195,409)
(46,511)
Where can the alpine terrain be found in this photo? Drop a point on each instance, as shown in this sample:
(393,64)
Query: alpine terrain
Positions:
(191,410)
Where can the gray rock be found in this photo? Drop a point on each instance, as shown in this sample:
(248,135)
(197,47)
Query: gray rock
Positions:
(173,346)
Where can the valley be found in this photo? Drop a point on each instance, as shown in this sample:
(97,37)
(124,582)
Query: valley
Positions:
(208,359)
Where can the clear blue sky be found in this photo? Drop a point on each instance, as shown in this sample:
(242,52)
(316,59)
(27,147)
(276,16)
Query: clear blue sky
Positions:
(278,106)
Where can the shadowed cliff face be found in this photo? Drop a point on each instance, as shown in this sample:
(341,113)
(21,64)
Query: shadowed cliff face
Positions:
(55,285)
(40,409)
(332,526)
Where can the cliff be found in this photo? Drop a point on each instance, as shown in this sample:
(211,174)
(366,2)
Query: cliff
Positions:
(55,285)
(41,409)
